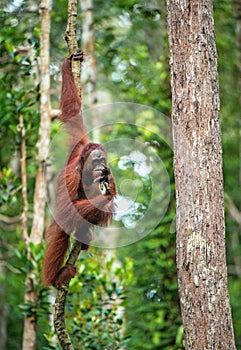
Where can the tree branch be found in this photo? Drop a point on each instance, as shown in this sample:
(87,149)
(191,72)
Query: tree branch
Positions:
(45,124)
(54,113)
(10,220)
(24,217)
(59,322)
(70,37)
(36,235)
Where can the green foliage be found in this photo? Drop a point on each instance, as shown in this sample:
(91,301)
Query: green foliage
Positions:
(19,43)
(14,282)
(18,96)
(95,306)
(229,92)
(8,188)
(137,70)
(136,67)
(234,289)
(153,315)
(23,266)
(133,305)
(227,47)
(152,310)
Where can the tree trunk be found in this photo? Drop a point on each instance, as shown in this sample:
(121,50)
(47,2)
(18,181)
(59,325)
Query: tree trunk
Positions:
(201,261)
(37,231)
(45,123)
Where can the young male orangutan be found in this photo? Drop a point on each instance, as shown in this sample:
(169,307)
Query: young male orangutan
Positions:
(85,188)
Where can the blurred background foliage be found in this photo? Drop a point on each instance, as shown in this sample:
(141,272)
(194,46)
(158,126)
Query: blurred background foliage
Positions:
(125,299)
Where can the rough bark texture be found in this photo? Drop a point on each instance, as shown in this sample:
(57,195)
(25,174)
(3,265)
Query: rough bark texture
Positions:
(70,37)
(201,261)
(59,323)
(30,321)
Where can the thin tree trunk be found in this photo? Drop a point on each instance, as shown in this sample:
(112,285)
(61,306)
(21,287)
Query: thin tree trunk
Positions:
(201,262)
(23,166)
(89,75)
(29,334)
(30,321)
(45,123)
(70,37)
(59,310)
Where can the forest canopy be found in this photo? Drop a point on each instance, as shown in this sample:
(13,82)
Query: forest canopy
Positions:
(127,297)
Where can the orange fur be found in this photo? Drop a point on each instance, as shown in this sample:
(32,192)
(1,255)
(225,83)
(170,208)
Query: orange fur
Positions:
(74,212)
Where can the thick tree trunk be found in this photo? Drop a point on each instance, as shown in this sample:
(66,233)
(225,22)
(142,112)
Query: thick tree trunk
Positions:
(202,271)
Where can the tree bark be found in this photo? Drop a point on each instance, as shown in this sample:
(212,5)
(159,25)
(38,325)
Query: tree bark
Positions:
(59,310)
(45,123)
(201,261)
(70,37)
(36,236)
